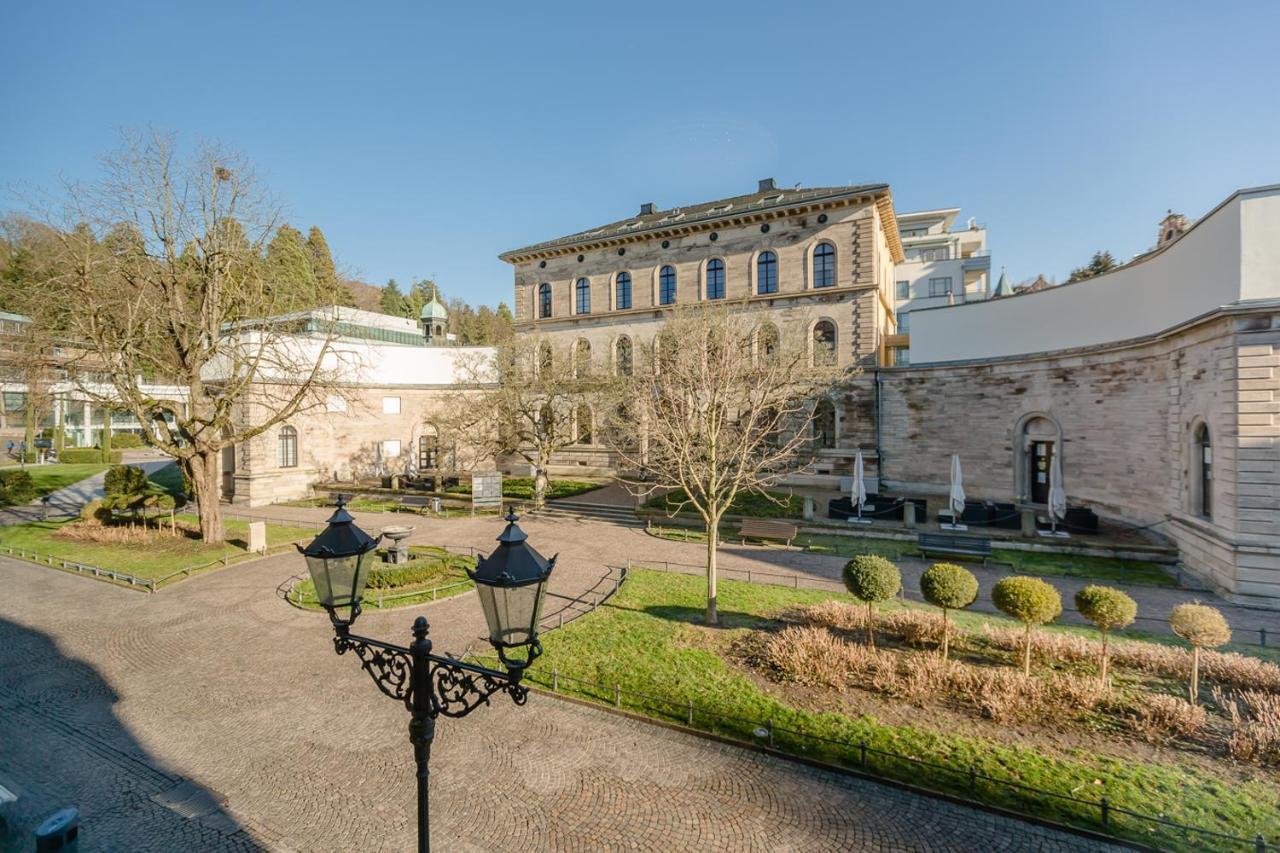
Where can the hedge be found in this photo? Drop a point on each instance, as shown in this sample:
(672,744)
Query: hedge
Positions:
(16,487)
(86,455)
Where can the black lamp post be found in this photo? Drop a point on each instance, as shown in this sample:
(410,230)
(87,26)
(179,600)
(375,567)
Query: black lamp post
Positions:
(511,584)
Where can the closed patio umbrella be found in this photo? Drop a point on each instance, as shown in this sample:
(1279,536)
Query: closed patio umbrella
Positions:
(1057,494)
(859,492)
(957,489)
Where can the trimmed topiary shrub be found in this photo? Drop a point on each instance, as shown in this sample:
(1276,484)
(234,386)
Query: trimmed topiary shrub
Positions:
(126,441)
(1032,602)
(86,456)
(948,586)
(1202,627)
(16,487)
(1108,609)
(871,578)
(125,480)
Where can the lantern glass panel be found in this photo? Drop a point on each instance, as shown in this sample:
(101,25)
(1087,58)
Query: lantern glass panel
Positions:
(340,581)
(512,612)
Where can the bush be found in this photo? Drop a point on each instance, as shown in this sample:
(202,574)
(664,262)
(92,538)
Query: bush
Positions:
(1159,718)
(125,480)
(126,441)
(16,487)
(948,586)
(86,455)
(1107,608)
(870,578)
(1032,602)
(1202,627)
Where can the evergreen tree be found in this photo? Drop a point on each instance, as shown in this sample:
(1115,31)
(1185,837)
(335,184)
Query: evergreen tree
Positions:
(503,321)
(420,294)
(392,300)
(1100,262)
(290,276)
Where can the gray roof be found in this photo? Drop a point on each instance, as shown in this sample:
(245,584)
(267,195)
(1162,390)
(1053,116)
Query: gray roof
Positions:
(702,212)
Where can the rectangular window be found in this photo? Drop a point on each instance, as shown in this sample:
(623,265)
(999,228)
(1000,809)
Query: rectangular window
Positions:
(391,448)
(899,357)
(904,322)
(903,290)
(428,452)
(940,286)
(390,405)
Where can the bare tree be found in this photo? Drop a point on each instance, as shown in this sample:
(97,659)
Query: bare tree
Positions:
(534,399)
(718,406)
(166,275)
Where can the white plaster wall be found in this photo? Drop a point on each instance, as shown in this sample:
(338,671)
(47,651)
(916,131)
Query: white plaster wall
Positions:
(1231,254)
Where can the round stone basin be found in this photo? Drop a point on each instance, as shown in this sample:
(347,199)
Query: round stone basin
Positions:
(396,533)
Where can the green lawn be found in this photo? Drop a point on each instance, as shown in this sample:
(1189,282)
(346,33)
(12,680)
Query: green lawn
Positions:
(433,574)
(153,559)
(50,478)
(522,488)
(776,505)
(648,640)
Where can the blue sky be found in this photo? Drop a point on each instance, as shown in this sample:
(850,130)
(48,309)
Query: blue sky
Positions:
(425,138)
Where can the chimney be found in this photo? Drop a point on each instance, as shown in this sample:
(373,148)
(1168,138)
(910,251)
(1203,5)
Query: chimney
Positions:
(766,185)
(646,209)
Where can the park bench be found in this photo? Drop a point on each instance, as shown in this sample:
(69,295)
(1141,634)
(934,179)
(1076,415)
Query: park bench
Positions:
(413,503)
(756,528)
(955,545)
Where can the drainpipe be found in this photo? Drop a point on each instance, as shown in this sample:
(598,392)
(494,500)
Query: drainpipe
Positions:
(879,451)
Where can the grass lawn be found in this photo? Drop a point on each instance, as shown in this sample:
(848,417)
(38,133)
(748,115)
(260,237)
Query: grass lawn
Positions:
(648,640)
(157,558)
(50,478)
(432,574)
(776,505)
(1024,562)
(522,488)
(168,478)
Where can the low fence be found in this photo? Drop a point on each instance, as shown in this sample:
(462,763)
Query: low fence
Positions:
(380,600)
(969,783)
(600,592)
(795,580)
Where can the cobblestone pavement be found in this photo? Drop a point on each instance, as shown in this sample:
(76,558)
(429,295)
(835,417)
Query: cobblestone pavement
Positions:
(590,540)
(214,716)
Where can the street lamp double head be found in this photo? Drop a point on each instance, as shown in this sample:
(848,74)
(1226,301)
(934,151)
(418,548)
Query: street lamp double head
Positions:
(511,584)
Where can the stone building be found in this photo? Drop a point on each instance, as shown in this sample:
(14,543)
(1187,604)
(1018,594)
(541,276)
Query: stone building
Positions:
(818,263)
(1157,384)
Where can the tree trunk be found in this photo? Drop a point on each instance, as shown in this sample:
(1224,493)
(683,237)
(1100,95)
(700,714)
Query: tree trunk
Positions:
(945,634)
(1104,659)
(871,625)
(203,469)
(1026,653)
(713,537)
(1195,674)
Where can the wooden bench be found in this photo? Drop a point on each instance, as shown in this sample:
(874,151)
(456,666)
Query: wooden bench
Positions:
(413,503)
(954,544)
(756,528)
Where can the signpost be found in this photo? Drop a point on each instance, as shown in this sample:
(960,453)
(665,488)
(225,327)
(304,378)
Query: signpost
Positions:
(486,490)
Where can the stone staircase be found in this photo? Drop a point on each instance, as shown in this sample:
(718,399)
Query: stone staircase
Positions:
(569,508)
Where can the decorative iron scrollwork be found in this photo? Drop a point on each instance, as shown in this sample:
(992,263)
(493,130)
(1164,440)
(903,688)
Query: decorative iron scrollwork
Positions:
(390,667)
(458,691)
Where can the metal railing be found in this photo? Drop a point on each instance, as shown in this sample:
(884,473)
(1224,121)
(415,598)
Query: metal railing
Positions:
(379,600)
(877,762)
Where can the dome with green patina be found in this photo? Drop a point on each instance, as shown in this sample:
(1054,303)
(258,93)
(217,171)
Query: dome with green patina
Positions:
(433,310)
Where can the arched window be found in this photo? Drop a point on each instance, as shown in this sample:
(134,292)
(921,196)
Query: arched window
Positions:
(622,288)
(824,265)
(582,296)
(767,273)
(824,343)
(715,279)
(667,286)
(1202,471)
(824,424)
(623,356)
(582,421)
(428,449)
(287,447)
(581,358)
(766,343)
(544,300)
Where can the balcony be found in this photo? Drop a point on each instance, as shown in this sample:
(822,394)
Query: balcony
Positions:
(979,261)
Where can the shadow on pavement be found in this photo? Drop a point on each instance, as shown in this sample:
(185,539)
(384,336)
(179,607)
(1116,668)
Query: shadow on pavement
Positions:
(61,744)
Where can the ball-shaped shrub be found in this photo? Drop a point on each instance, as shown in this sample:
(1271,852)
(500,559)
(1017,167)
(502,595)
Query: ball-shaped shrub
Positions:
(1203,627)
(949,586)
(16,487)
(871,579)
(1108,609)
(1029,600)
(1200,625)
(125,480)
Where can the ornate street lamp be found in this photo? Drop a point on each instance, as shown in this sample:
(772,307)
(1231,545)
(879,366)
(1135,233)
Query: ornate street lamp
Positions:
(511,584)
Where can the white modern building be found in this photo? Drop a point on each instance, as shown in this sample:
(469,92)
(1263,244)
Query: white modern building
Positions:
(943,266)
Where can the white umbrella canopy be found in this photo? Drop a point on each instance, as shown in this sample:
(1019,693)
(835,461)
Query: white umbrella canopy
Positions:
(957,489)
(1057,494)
(859,491)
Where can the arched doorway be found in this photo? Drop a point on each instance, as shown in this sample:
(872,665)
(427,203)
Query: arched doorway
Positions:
(1039,440)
